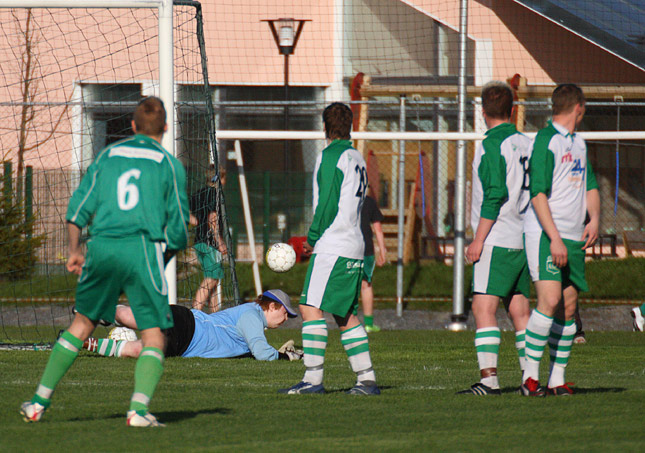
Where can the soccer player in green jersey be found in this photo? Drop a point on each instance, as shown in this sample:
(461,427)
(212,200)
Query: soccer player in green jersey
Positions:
(134,196)
(500,199)
(333,278)
(563,192)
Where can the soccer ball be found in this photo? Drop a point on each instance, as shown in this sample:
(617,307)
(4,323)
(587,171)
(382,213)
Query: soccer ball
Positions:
(122,333)
(280,257)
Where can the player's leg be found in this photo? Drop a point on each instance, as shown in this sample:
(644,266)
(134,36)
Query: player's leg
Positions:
(367,294)
(638,314)
(519,313)
(62,357)
(487,341)
(124,317)
(560,342)
(113,348)
(314,327)
(354,339)
(213,300)
(147,291)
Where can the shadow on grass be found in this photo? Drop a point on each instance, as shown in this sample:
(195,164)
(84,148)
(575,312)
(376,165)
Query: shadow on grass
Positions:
(168,416)
(576,390)
(345,390)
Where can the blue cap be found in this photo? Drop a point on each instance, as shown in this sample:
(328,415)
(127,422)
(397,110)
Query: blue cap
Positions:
(283,298)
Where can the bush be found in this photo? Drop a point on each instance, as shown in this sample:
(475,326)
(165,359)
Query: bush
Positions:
(18,244)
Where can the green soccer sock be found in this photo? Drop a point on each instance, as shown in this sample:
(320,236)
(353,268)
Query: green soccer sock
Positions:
(487,341)
(369,320)
(61,359)
(356,346)
(147,374)
(560,342)
(314,343)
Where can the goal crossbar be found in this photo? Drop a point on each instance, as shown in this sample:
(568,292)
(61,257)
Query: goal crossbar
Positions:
(411,136)
(84,3)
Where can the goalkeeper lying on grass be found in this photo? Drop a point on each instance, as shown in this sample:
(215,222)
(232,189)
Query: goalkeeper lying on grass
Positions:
(234,332)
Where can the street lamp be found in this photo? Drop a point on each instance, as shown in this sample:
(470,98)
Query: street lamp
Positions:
(286,32)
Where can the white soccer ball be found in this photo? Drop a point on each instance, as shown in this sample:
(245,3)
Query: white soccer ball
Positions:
(122,333)
(280,257)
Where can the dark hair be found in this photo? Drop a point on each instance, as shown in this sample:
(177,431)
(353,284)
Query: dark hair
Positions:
(565,97)
(150,116)
(497,100)
(265,303)
(338,121)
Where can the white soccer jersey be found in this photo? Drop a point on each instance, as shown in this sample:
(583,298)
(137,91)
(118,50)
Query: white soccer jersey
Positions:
(559,169)
(500,185)
(339,188)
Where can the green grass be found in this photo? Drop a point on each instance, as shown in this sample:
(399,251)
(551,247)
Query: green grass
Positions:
(429,279)
(232,405)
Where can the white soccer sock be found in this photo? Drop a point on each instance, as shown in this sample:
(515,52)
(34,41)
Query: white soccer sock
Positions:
(108,347)
(560,342)
(520,345)
(537,334)
(487,341)
(356,346)
(314,342)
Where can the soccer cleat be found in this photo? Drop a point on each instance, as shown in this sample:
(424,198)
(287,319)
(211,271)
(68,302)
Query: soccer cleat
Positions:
(639,320)
(91,344)
(531,387)
(32,412)
(303,387)
(560,390)
(143,421)
(364,388)
(373,328)
(579,337)
(480,389)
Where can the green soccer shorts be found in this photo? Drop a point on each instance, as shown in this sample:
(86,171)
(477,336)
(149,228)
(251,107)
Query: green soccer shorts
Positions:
(369,262)
(133,266)
(210,259)
(333,284)
(541,267)
(501,272)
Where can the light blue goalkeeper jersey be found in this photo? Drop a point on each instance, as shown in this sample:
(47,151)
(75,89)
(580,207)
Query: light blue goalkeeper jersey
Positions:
(231,333)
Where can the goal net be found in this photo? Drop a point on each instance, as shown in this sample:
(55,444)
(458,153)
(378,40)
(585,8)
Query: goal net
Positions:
(69,82)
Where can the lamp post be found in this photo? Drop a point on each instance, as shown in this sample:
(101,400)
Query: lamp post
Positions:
(286,32)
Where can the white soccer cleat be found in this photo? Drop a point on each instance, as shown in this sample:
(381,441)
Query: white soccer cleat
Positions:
(639,320)
(32,412)
(145,421)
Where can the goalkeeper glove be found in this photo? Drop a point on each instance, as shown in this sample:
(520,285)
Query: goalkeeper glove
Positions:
(290,355)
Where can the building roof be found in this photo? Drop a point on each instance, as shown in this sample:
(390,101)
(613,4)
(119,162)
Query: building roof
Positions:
(618,26)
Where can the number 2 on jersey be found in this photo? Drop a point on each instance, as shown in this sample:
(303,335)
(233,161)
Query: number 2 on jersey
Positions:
(362,184)
(128,192)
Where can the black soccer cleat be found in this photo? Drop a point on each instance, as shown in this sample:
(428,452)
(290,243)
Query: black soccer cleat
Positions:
(480,389)
(560,390)
(531,387)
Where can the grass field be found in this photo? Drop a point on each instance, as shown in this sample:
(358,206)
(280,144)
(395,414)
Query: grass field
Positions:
(232,405)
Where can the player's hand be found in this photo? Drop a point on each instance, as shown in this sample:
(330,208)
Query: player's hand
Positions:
(288,346)
(307,249)
(474,251)
(590,234)
(380,258)
(559,253)
(75,263)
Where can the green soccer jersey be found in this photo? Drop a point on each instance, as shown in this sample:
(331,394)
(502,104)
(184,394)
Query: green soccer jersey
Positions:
(134,187)
(559,169)
(340,185)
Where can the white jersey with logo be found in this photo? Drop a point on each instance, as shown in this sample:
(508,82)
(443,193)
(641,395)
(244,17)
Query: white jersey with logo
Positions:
(559,169)
(500,185)
(339,188)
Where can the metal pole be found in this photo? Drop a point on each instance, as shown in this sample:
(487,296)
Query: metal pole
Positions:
(401,228)
(167,95)
(286,112)
(458,319)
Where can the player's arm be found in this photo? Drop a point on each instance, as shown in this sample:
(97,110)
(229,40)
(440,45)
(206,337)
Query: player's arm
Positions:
(541,167)
(252,329)
(213,224)
(76,258)
(492,174)
(380,240)
(590,234)
(329,179)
